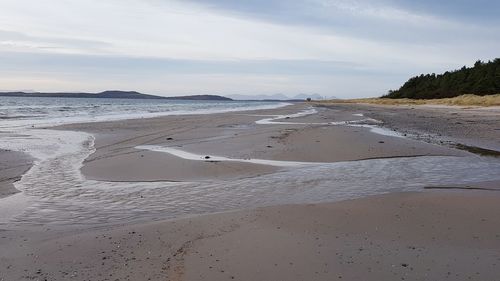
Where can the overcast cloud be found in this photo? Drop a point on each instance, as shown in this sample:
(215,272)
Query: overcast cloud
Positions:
(329,47)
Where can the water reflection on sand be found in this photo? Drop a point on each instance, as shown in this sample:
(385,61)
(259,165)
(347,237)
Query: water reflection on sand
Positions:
(55,192)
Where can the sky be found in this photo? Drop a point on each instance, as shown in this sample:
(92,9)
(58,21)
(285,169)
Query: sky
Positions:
(334,48)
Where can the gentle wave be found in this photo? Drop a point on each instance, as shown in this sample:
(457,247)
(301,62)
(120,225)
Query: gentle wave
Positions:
(18,113)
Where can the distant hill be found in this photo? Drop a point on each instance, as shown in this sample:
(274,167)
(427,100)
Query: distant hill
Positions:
(201,97)
(481,79)
(113,95)
(276,97)
(124,95)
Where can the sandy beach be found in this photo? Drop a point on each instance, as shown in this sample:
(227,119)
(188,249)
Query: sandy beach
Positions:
(212,140)
(235,135)
(444,233)
(472,126)
(12,166)
(409,236)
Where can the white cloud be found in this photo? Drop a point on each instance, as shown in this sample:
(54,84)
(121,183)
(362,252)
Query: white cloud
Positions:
(177,30)
(180,30)
(380,11)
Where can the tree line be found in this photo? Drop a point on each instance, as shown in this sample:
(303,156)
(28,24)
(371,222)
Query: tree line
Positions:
(481,79)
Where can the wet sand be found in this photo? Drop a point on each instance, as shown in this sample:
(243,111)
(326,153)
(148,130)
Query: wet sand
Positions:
(12,166)
(430,235)
(235,135)
(400,236)
(444,125)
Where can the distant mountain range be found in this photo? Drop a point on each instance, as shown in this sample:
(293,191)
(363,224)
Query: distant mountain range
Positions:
(279,97)
(113,95)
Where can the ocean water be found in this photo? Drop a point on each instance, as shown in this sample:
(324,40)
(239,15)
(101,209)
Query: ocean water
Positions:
(54,192)
(22,112)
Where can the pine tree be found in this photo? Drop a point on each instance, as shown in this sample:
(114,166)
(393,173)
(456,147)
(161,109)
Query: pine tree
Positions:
(481,79)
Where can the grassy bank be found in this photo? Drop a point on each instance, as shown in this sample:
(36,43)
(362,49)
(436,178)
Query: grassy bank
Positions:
(463,100)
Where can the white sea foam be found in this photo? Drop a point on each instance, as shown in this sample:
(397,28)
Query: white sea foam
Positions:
(25,115)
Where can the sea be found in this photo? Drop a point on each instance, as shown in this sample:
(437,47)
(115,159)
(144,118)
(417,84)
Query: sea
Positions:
(20,112)
(54,192)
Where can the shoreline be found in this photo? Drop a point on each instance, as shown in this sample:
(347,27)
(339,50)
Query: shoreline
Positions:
(7,187)
(15,163)
(305,124)
(70,120)
(294,137)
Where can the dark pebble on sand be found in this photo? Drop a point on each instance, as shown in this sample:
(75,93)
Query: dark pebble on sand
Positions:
(207,157)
